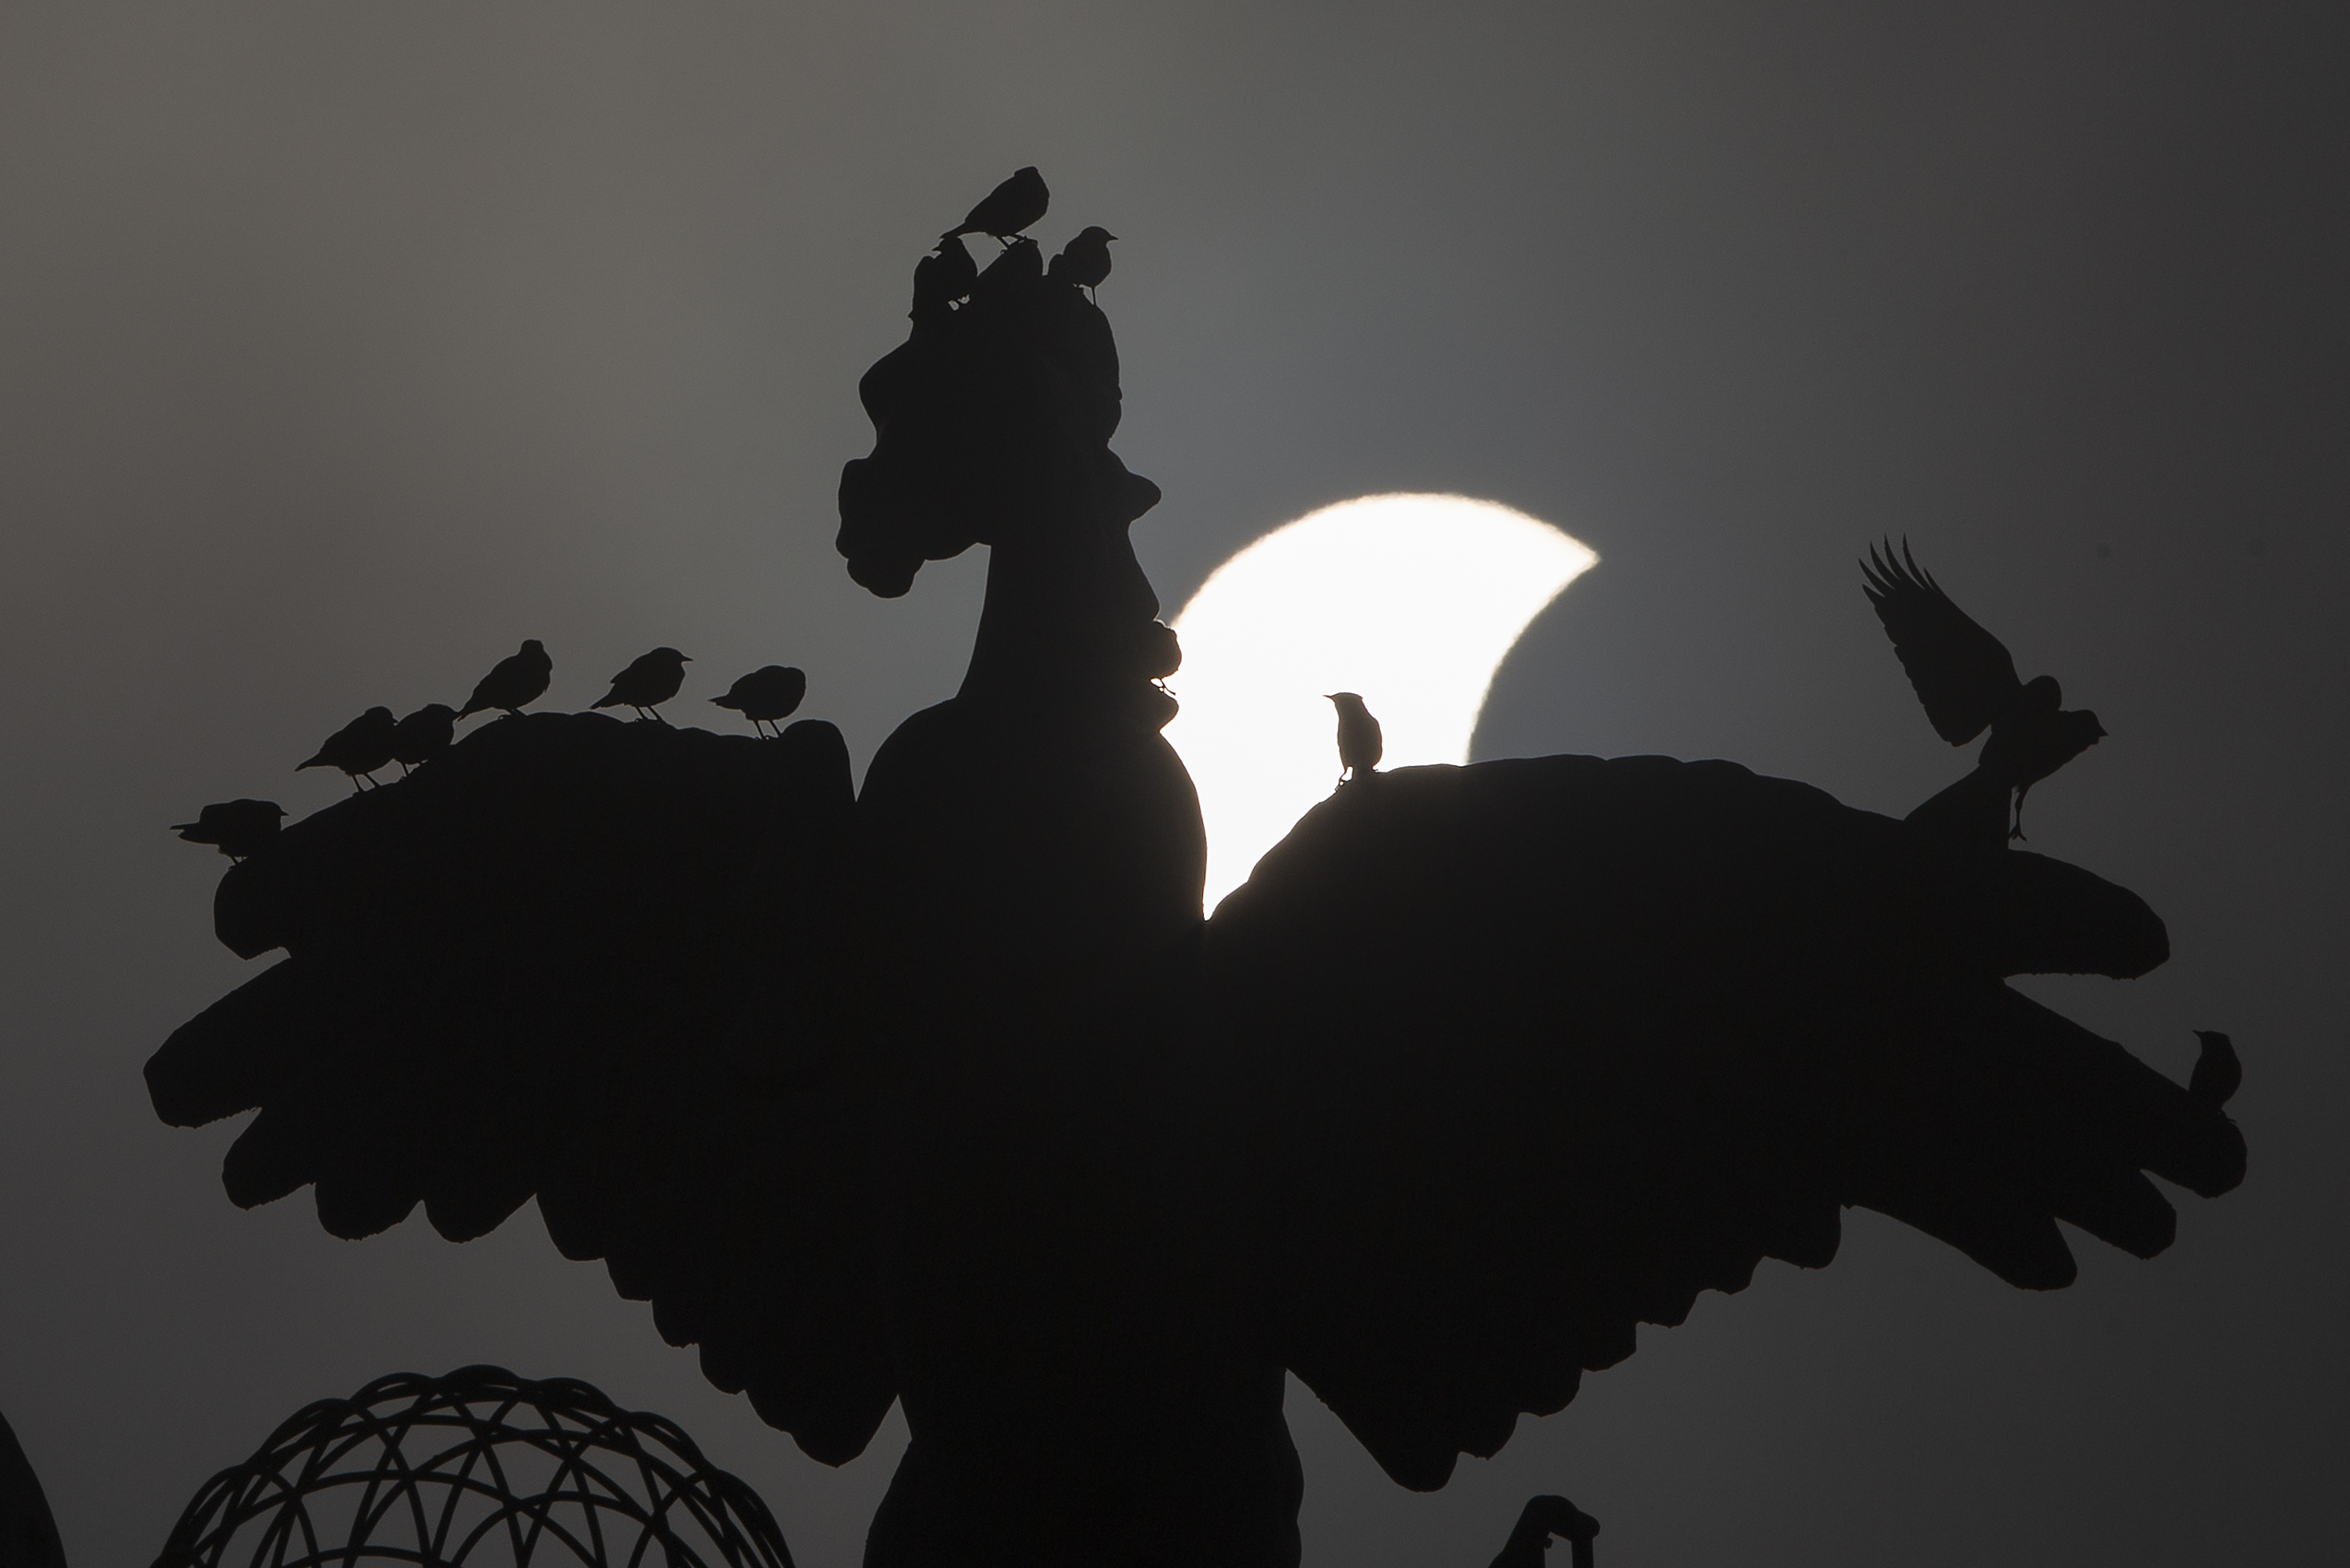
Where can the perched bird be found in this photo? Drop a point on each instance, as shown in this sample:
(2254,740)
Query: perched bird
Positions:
(1543,1517)
(2218,1074)
(766,695)
(651,679)
(1360,743)
(238,827)
(1966,682)
(423,734)
(514,683)
(1008,209)
(1085,261)
(359,748)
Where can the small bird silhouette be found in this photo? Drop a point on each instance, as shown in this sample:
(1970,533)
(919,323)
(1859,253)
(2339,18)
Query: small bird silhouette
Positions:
(1008,209)
(1543,1517)
(650,680)
(423,734)
(1085,261)
(2218,1073)
(1360,743)
(1966,682)
(359,748)
(238,827)
(766,695)
(513,682)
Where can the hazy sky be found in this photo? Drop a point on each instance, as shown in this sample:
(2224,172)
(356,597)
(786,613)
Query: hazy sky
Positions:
(344,346)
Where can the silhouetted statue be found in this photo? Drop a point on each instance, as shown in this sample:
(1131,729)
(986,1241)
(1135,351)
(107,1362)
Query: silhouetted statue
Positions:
(238,827)
(514,683)
(1968,683)
(943,1093)
(423,734)
(766,695)
(1360,743)
(358,749)
(1008,209)
(1084,261)
(650,680)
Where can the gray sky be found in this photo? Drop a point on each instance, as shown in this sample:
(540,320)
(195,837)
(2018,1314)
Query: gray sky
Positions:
(341,346)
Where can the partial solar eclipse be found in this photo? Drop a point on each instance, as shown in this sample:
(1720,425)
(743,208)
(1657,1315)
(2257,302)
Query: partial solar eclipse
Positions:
(1411,600)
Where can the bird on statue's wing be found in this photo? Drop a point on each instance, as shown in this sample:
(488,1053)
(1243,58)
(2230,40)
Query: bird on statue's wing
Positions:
(1008,209)
(1360,743)
(514,683)
(1966,682)
(423,734)
(650,680)
(939,1095)
(766,695)
(358,749)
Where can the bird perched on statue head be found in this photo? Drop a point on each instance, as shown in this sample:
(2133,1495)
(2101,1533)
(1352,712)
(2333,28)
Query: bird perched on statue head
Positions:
(1360,744)
(1008,209)
(1966,682)
(513,682)
(1085,261)
(238,827)
(766,695)
(423,734)
(650,680)
(358,749)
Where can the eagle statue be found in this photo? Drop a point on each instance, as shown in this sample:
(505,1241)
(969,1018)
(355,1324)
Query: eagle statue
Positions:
(941,1092)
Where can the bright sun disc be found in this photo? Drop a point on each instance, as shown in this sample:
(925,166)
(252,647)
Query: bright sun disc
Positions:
(1411,600)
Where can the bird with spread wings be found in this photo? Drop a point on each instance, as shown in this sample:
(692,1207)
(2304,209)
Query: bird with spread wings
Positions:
(941,1092)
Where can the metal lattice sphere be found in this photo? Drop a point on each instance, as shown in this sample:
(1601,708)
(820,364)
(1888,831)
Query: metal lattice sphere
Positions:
(481,1468)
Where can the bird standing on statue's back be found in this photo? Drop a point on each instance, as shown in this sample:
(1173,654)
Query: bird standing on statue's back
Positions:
(513,682)
(1360,743)
(650,680)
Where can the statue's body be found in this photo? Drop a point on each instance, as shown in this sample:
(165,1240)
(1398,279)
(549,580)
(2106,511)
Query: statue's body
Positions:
(946,1095)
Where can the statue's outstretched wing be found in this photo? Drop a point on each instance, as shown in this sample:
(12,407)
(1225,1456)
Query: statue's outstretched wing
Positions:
(593,962)
(1534,1051)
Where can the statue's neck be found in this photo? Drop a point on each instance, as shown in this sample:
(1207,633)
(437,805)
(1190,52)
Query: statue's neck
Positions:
(1067,625)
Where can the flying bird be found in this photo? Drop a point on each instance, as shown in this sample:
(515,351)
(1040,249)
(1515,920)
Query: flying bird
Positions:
(1008,209)
(1085,261)
(513,682)
(358,749)
(766,695)
(423,734)
(1966,682)
(238,827)
(1360,744)
(650,680)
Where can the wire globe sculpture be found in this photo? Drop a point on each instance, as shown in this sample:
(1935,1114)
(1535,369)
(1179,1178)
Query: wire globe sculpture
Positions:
(481,1468)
